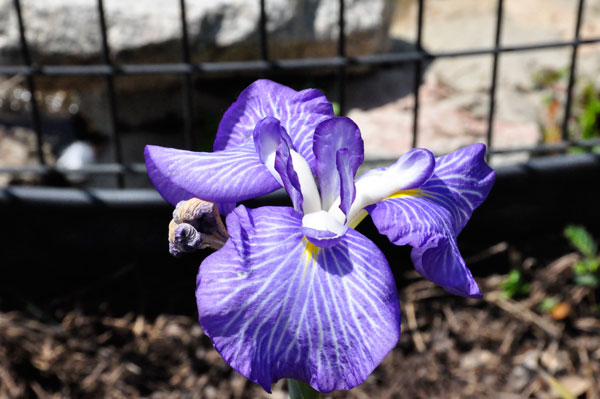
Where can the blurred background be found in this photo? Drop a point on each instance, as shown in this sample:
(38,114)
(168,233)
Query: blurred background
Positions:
(91,303)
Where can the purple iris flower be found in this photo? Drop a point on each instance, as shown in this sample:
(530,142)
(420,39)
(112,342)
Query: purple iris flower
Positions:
(297,292)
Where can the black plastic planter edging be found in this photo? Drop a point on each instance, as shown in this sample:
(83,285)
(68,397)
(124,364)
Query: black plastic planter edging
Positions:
(110,245)
(516,186)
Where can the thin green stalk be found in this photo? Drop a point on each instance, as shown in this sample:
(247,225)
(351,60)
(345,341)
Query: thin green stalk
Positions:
(301,390)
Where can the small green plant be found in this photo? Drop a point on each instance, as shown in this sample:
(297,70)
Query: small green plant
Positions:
(586,269)
(586,109)
(589,119)
(336,108)
(547,304)
(514,284)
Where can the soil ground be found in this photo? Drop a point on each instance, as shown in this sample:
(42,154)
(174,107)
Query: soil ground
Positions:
(450,347)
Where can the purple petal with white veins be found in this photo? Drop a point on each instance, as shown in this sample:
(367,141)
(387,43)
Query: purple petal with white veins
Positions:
(430,217)
(276,306)
(464,179)
(232,175)
(442,263)
(330,136)
(299,113)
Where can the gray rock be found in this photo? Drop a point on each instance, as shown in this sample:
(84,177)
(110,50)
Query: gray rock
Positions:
(149,31)
(67,31)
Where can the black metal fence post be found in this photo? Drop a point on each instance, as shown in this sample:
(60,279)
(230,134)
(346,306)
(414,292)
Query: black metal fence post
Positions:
(341,52)
(418,70)
(110,94)
(29,81)
(490,124)
(572,69)
(188,93)
(263,40)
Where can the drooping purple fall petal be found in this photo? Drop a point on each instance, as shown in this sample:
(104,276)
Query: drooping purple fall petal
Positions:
(276,306)
(299,114)
(430,217)
(231,175)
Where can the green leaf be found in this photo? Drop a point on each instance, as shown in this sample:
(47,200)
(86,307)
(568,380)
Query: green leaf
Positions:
(594,264)
(548,304)
(588,280)
(301,390)
(514,284)
(581,240)
(580,268)
(336,108)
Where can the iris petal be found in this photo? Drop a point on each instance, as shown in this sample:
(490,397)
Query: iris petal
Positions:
(409,171)
(330,136)
(276,306)
(232,175)
(299,113)
(346,172)
(285,168)
(323,229)
(297,179)
(430,217)
(267,135)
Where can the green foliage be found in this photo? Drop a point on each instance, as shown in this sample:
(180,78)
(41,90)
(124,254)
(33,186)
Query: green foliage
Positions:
(586,269)
(548,77)
(588,280)
(548,304)
(514,285)
(581,240)
(586,108)
(336,108)
(301,390)
(589,119)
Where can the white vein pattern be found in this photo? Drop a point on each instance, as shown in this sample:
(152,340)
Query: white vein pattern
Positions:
(231,175)
(299,113)
(431,218)
(285,309)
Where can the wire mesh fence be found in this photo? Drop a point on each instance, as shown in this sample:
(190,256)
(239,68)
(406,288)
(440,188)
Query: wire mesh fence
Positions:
(186,69)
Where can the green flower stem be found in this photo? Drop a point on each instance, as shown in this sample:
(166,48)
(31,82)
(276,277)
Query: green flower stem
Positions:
(301,390)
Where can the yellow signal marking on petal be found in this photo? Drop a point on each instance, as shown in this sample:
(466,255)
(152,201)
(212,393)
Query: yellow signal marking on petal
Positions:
(414,192)
(310,254)
(357,219)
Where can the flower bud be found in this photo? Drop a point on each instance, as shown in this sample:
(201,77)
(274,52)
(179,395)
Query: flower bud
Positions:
(196,224)
(193,211)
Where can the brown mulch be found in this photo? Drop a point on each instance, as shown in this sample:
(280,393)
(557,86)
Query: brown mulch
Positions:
(450,348)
